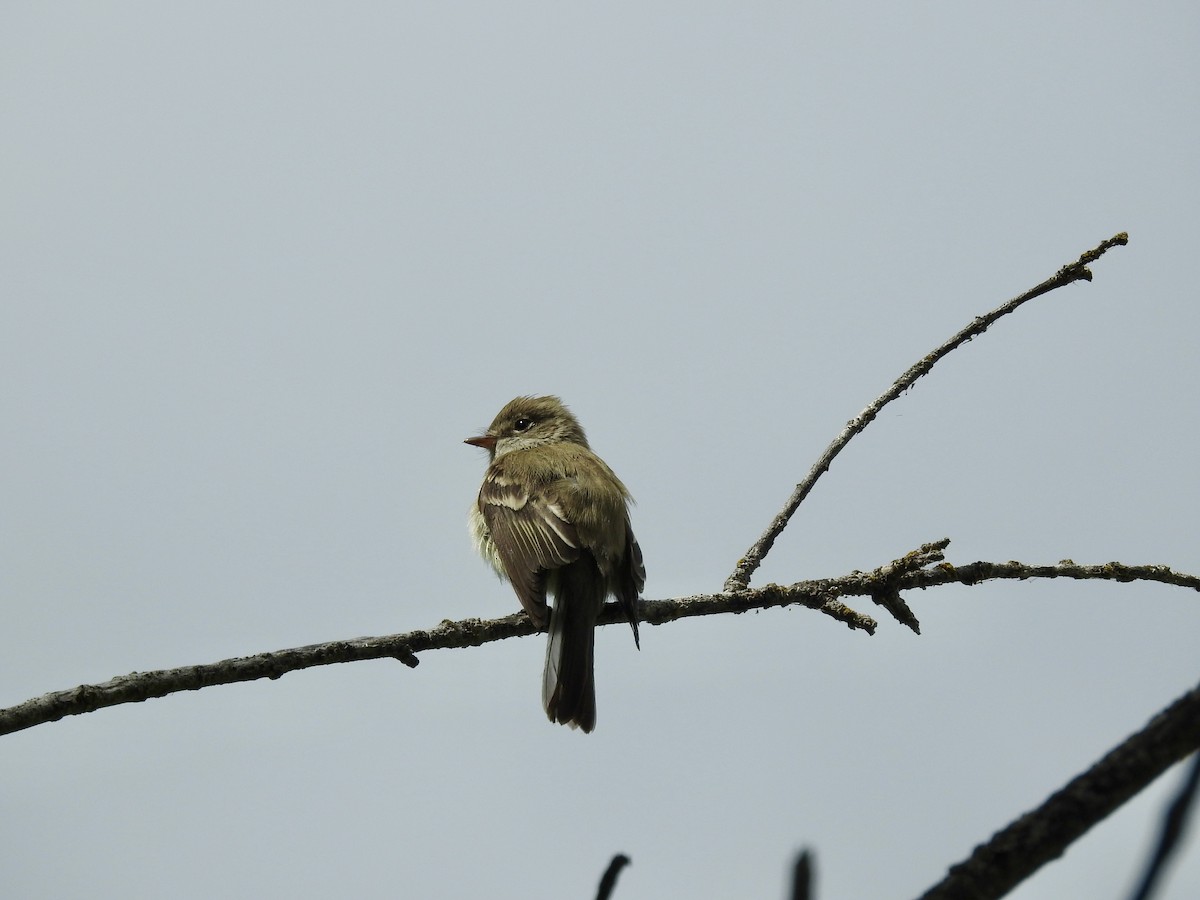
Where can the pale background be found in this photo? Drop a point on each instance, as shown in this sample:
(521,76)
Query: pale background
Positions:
(264,266)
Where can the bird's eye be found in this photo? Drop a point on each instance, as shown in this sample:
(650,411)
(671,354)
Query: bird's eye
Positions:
(522,424)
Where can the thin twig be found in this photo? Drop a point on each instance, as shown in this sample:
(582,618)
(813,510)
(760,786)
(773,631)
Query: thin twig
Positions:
(889,579)
(1076,271)
(976,572)
(823,595)
(1173,828)
(1038,837)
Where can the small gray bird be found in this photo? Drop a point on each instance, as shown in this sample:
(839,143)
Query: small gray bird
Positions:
(552,516)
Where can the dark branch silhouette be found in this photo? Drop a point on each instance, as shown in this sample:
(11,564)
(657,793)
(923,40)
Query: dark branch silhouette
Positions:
(608,880)
(1173,828)
(1040,836)
(802,876)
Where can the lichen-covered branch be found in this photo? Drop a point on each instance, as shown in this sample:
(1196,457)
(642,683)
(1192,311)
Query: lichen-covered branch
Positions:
(923,568)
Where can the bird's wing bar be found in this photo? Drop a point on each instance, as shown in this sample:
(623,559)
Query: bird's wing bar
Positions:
(531,535)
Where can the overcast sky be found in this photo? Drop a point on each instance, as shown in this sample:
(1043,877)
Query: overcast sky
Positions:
(265,265)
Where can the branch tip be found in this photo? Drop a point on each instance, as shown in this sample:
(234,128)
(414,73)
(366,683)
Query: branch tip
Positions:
(739,579)
(608,881)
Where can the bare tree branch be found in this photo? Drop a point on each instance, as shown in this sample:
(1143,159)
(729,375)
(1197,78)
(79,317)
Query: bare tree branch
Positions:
(1076,271)
(824,595)
(1038,837)
(139,686)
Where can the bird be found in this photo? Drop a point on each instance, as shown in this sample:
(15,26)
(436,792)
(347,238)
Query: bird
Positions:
(551,516)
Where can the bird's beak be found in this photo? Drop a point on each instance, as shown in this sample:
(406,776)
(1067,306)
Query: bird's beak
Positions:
(486,441)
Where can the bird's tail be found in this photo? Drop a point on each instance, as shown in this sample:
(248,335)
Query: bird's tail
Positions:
(568,684)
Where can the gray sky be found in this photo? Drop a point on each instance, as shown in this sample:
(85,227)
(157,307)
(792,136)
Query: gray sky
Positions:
(264,266)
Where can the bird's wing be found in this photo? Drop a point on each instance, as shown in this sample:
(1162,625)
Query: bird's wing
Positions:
(631,580)
(531,534)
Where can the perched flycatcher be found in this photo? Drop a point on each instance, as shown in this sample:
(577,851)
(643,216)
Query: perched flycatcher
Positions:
(552,516)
